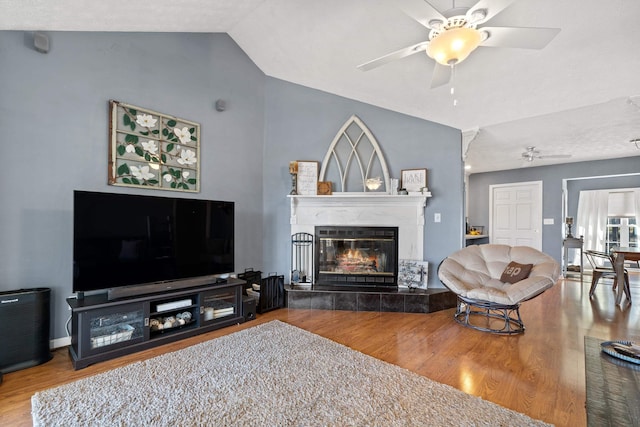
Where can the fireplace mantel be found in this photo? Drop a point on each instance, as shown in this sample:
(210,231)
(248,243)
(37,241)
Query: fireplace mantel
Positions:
(366,206)
(365,209)
(361,199)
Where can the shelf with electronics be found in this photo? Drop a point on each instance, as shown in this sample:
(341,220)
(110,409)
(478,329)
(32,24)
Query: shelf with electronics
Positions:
(103,329)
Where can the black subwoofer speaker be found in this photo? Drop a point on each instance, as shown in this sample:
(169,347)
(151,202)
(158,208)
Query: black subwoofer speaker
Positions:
(24,328)
(248,308)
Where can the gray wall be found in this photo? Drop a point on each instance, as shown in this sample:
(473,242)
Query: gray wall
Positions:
(54,123)
(301,123)
(53,117)
(551,177)
(574,186)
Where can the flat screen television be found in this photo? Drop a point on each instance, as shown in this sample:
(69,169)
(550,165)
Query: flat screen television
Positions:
(120,240)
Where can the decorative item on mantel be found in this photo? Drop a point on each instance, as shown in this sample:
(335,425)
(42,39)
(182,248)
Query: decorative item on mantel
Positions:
(307,178)
(414,180)
(373,183)
(355,162)
(325,188)
(395,186)
(293,170)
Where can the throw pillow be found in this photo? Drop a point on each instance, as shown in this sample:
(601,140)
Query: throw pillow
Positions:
(515,272)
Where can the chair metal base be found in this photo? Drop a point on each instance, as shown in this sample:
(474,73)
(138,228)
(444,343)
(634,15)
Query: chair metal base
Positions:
(507,317)
(598,273)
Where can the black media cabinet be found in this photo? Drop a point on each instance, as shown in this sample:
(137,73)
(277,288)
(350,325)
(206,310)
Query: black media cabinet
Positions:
(103,329)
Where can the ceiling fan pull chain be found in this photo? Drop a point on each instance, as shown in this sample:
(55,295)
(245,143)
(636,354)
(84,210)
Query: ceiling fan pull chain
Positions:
(453,84)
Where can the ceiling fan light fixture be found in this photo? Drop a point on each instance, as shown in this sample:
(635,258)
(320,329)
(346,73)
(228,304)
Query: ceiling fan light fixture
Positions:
(436,24)
(454,45)
(478,15)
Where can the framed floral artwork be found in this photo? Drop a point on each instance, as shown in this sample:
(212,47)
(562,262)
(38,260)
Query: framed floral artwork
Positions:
(153,150)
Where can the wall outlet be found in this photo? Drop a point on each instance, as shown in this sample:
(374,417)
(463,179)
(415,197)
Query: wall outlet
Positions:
(436,217)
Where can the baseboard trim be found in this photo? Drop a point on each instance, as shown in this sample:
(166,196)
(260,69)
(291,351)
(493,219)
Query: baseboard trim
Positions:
(59,342)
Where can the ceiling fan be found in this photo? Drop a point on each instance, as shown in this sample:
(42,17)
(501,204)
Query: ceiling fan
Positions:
(457,32)
(531,153)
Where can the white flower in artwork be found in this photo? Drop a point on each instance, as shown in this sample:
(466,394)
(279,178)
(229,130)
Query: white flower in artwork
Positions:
(150,146)
(185,174)
(183,134)
(168,177)
(130,148)
(187,157)
(141,172)
(146,120)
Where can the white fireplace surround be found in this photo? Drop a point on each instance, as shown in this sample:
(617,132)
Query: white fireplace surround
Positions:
(365,209)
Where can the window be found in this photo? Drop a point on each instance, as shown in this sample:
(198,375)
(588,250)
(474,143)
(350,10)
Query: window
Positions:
(621,231)
(608,218)
(622,228)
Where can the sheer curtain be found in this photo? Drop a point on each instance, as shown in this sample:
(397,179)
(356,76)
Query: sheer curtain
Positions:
(637,201)
(593,208)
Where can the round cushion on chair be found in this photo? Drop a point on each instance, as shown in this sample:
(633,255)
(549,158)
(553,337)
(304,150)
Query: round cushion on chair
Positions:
(474,272)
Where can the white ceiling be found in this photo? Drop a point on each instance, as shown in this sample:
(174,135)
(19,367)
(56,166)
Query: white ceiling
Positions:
(580,95)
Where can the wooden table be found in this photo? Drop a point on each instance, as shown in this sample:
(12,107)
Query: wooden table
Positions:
(572,243)
(620,254)
(612,386)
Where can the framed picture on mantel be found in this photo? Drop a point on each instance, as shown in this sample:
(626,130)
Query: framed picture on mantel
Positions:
(413,180)
(307,182)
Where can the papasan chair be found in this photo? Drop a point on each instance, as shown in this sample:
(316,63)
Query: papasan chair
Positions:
(491,281)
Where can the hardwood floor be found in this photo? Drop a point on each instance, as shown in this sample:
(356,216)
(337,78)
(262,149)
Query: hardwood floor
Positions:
(539,373)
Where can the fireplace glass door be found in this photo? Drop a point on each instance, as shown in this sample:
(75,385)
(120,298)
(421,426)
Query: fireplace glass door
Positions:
(357,256)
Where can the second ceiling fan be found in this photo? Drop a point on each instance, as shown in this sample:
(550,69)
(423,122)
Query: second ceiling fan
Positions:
(531,154)
(457,32)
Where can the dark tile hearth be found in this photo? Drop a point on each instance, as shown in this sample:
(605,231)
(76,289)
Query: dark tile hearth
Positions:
(363,299)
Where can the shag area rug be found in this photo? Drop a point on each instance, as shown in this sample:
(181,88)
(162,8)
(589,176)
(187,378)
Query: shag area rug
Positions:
(272,374)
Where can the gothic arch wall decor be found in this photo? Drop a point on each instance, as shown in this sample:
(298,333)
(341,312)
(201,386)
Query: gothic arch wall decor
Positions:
(354,159)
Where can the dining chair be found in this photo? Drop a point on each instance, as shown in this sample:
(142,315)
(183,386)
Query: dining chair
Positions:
(602,267)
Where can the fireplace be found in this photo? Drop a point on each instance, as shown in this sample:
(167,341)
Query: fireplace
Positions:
(404,214)
(353,256)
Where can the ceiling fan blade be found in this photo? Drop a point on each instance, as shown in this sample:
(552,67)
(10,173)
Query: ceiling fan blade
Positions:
(520,37)
(441,75)
(422,11)
(490,7)
(398,54)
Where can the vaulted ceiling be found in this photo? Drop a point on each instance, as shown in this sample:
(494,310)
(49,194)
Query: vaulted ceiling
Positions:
(579,96)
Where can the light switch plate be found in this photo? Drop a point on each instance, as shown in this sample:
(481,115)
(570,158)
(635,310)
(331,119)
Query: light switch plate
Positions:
(548,221)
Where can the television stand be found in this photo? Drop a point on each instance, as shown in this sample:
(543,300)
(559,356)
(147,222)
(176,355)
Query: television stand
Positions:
(103,329)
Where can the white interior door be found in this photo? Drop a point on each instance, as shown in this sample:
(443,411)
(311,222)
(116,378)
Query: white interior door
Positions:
(516,214)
